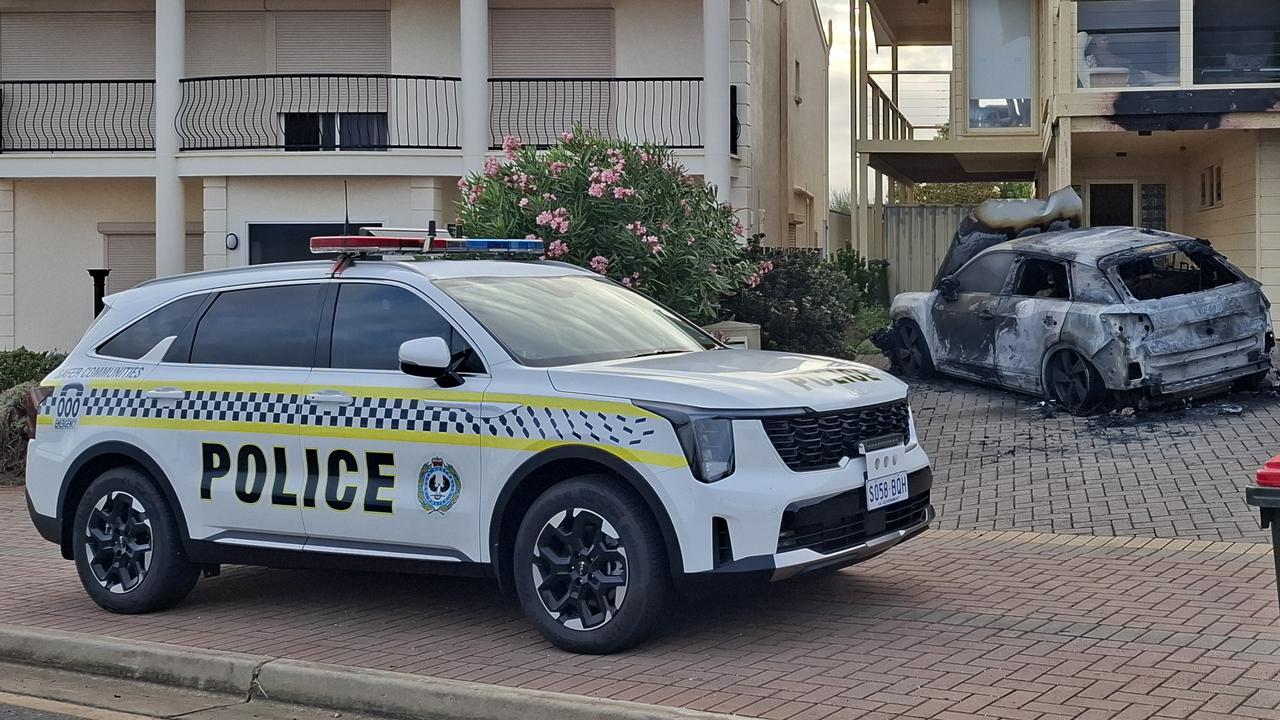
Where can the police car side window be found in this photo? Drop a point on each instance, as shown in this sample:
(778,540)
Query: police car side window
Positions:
(270,326)
(139,338)
(370,321)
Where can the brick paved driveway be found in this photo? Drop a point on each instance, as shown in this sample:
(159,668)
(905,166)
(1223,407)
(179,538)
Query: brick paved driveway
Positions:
(960,624)
(1108,600)
(1000,463)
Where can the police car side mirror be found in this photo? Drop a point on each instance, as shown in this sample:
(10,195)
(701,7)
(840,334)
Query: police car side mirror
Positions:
(427,357)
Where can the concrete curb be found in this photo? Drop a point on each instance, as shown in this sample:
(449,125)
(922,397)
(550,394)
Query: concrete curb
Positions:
(313,684)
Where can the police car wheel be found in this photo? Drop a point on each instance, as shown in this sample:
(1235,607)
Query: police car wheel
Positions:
(126,545)
(590,569)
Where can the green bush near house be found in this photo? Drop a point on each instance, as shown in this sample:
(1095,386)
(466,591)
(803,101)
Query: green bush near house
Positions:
(20,370)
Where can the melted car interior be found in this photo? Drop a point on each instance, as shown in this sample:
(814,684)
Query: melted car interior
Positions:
(1174,272)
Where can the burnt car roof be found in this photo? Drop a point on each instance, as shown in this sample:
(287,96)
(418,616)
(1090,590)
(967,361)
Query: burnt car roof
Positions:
(1088,245)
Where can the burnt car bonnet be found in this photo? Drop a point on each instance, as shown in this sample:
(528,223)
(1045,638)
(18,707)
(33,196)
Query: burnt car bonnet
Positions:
(997,221)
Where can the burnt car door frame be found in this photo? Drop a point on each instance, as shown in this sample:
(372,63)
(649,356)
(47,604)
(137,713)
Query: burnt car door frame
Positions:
(1029,326)
(965,327)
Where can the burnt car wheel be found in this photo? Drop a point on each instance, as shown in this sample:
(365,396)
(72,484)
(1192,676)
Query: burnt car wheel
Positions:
(911,353)
(1074,383)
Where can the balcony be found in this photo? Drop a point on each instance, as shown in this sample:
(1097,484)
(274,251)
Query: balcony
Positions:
(77,115)
(666,111)
(319,112)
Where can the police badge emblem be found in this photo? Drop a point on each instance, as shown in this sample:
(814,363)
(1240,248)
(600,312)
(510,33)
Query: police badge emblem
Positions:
(438,486)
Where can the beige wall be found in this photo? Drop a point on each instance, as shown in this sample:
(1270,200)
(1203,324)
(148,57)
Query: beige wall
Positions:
(806,131)
(1268,258)
(56,241)
(1232,228)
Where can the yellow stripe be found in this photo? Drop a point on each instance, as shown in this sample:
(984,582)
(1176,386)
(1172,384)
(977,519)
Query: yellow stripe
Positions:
(44,420)
(381,391)
(414,436)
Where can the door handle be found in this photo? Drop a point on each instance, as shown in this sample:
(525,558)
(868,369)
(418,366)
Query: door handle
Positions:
(330,397)
(165,393)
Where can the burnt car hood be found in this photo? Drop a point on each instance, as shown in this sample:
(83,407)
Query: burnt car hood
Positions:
(734,380)
(997,221)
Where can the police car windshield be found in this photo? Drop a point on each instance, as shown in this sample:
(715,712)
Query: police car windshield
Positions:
(566,320)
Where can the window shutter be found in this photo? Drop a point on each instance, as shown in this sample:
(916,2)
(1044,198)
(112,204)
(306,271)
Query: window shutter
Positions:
(551,43)
(132,258)
(336,42)
(226,43)
(77,46)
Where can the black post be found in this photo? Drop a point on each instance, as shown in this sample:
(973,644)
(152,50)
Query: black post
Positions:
(99,276)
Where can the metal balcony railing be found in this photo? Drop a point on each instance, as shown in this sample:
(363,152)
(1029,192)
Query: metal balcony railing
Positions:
(319,112)
(77,115)
(665,110)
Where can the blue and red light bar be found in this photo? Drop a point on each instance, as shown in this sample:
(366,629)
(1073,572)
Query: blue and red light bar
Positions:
(369,244)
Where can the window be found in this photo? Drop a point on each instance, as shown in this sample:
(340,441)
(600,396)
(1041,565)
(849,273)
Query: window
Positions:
(1236,41)
(139,338)
(1211,187)
(371,321)
(1167,269)
(270,326)
(1043,279)
(986,274)
(335,131)
(1001,63)
(1127,43)
(564,320)
(1155,205)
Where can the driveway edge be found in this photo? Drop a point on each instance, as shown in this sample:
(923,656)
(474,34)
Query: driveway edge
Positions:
(313,684)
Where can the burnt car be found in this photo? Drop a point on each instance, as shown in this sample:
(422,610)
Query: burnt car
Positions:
(1029,301)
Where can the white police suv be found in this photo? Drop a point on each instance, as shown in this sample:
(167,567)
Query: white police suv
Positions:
(526,420)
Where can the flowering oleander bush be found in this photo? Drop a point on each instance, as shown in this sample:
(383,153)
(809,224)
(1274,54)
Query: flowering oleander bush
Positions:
(626,211)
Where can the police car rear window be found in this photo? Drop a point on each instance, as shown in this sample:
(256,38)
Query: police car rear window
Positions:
(268,326)
(139,338)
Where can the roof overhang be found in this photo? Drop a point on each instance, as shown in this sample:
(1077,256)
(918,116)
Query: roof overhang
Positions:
(934,161)
(911,22)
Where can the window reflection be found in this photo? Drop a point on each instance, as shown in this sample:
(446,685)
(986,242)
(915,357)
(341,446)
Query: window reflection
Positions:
(1127,43)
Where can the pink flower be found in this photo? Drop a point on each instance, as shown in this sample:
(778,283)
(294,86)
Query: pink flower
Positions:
(609,177)
(549,197)
(531,236)
(596,190)
(557,220)
(557,249)
(557,167)
(665,227)
(646,157)
(620,193)
(491,167)
(738,229)
(600,264)
(766,267)
(690,239)
(566,136)
(713,269)
(510,146)
(473,196)
(544,218)
(653,243)
(637,229)
(462,184)
(753,281)
(524,202)
(626,282)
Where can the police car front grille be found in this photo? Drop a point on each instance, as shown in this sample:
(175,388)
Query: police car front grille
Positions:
(841,522)
(820,440)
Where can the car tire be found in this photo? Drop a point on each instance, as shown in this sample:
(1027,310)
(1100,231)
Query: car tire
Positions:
(1074,383)
(126,545)
(911,354)
(590,567)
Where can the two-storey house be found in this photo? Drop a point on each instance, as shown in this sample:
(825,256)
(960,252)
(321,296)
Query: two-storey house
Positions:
(161,136)
(1162,113)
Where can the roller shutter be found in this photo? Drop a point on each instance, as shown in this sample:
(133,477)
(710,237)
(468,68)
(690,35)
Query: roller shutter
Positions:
(77,46)
(226,43)
(131,255)
(336,42)
(551,43)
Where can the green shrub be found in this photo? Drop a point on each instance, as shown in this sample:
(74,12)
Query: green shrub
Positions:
(13,432)
(869,278)
(802,303)
(23,365)
(626,211)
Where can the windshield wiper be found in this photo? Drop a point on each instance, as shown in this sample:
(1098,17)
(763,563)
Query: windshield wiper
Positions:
(656,352)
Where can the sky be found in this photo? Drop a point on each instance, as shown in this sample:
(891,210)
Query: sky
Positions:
(919,99)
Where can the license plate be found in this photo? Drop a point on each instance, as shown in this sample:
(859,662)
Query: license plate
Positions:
(886,484)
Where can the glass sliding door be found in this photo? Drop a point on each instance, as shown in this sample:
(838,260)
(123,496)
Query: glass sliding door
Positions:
(1127,43)
(1237,41)
(1001,63)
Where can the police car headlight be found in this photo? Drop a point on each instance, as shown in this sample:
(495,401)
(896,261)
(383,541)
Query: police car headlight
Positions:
(706,437)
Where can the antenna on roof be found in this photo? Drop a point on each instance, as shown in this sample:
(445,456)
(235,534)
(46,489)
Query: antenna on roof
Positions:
(346,210)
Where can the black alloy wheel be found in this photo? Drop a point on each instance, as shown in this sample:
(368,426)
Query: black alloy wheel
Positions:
(1074,383)
(117,541)
(912,352)
(580,567)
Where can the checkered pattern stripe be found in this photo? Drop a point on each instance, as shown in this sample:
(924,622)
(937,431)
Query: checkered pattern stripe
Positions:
(368,413)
